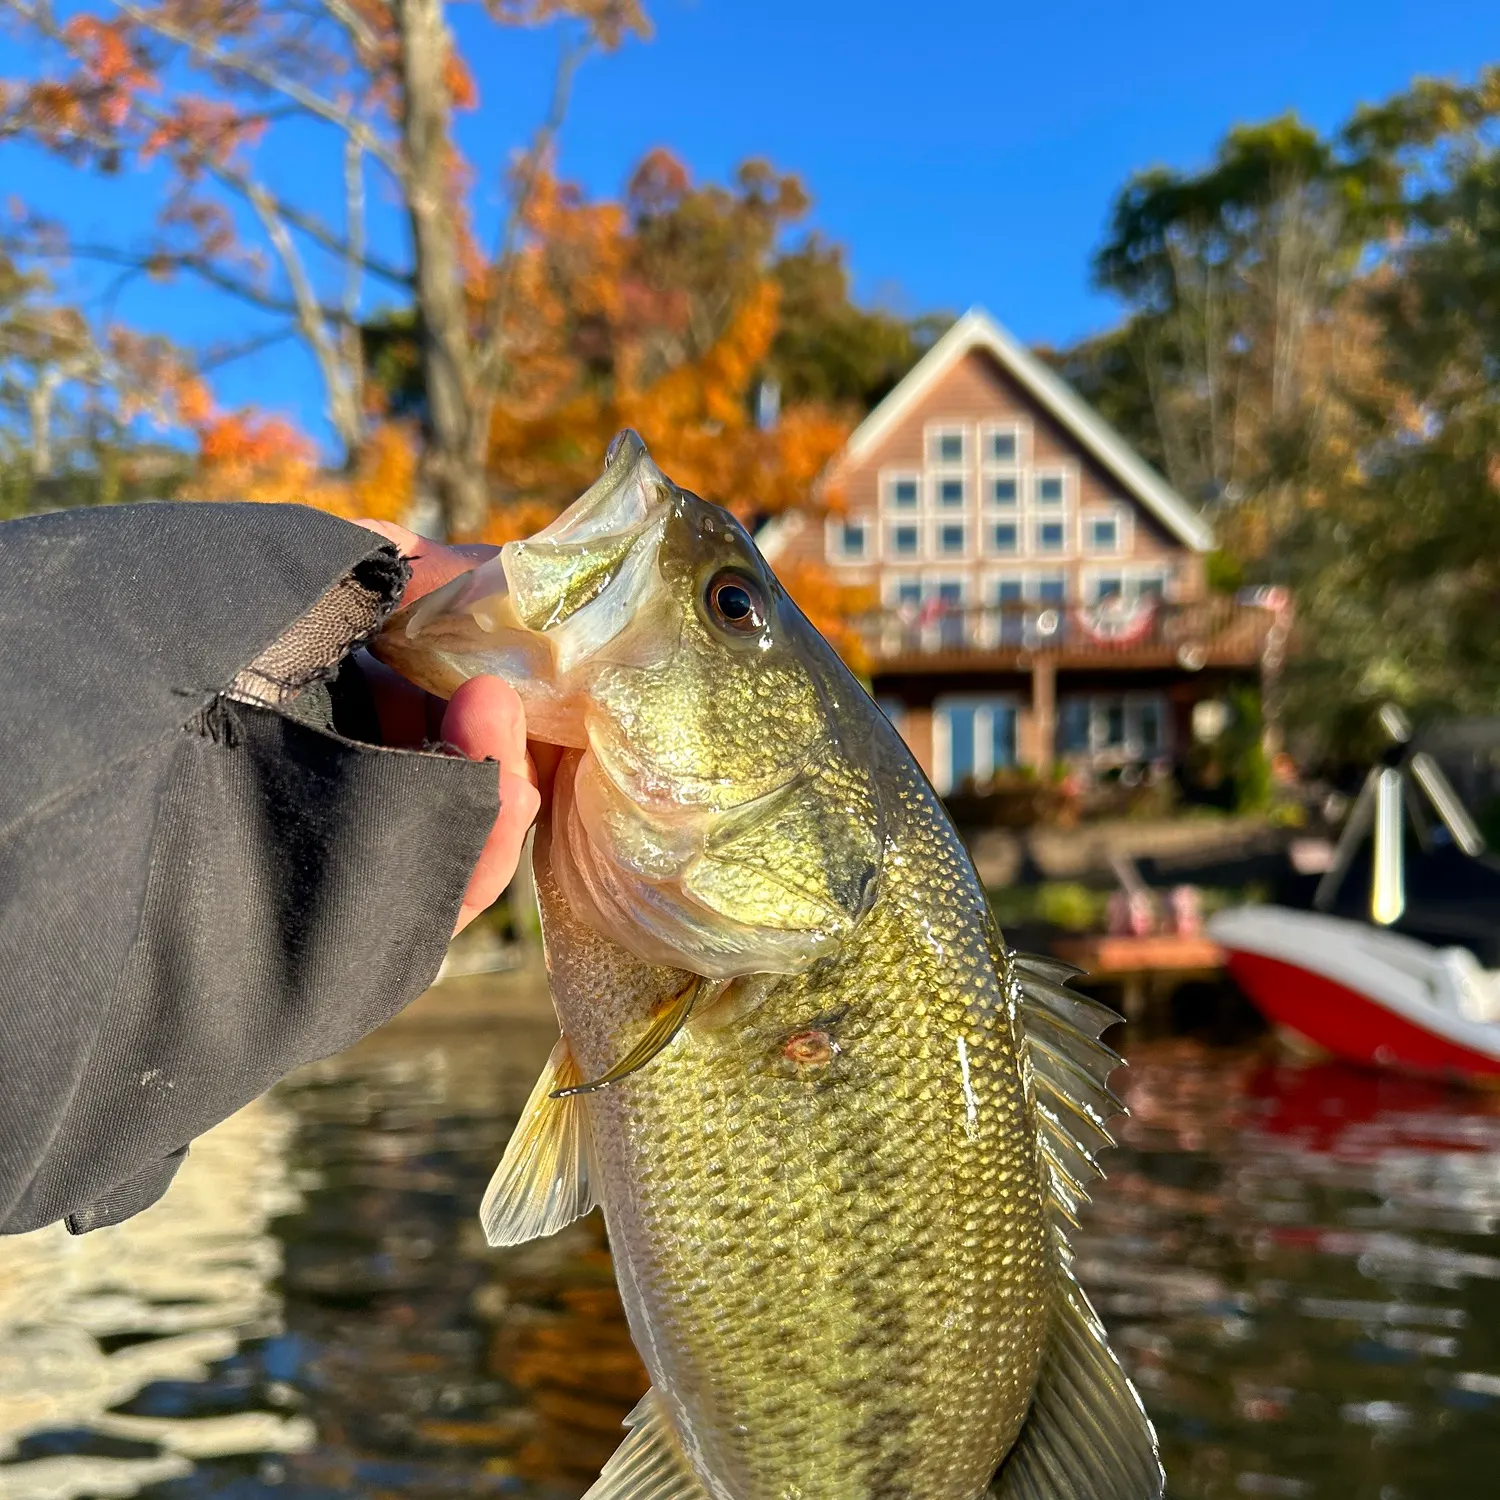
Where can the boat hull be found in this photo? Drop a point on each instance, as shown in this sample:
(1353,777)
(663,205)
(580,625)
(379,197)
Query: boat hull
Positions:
(1357,993)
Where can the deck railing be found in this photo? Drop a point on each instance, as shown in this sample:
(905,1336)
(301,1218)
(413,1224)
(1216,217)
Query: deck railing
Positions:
(1219,632)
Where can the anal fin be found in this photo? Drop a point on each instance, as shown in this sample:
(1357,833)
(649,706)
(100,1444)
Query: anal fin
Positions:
(649,1464)
(1087,1436)
(545,1180)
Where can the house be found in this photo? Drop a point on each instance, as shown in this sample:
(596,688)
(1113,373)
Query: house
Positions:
(1042,590)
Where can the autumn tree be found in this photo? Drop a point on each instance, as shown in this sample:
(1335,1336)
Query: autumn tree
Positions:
(226,94)
(1400,573)
(1309,352)
(84,406)
(1252,345)
(666,311)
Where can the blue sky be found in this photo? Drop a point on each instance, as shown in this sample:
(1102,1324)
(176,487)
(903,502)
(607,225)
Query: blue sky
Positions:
(964,150)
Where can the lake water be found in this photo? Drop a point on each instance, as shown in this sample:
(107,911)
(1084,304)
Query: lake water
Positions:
(1300,1265)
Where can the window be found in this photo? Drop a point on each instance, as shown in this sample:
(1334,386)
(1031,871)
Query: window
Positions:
(1149,721)
(1002,446)
(1102,535)
(945,445)
(1049,536)
(1052,589)
(972,739)
(951,540)
(902,492)
(909,591)
(1008,591)
(850,540)
(1050,489)
(950,493)
(962,746)
(1130,726)
(1005,538)
(1113,725)
(1125,585)
(855,538)
(1003,490)
(1073,726)
(906,541)
(950,597)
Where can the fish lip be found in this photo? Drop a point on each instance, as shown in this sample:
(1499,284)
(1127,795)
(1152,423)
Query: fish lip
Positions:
(559,579)
(622,500)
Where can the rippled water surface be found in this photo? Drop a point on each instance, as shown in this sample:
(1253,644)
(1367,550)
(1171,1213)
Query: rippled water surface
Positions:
(1300,1265)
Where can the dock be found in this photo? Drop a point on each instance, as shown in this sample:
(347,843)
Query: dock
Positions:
(1146,969)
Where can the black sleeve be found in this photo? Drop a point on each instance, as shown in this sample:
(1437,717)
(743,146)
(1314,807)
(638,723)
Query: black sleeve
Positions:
(207,878)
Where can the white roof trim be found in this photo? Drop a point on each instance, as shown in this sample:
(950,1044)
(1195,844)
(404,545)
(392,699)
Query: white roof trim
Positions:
(977,330)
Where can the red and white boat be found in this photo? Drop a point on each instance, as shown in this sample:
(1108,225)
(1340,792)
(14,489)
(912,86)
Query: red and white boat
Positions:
(1355,985)
(1365,993)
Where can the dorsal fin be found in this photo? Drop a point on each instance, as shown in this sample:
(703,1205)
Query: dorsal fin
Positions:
(1070,1069)
(649,1464)
(545,1179)
(1087,1436)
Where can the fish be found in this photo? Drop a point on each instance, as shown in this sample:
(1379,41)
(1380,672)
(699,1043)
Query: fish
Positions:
(839,1132)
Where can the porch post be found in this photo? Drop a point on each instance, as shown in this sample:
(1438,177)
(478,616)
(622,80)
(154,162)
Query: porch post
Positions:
(1043,712)
(916,730)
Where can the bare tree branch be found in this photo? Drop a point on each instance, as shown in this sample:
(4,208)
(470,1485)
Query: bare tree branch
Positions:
(489,352)
(312,319)
(313,102)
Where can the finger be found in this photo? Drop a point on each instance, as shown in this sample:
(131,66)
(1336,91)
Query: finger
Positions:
(485,720)
(404,712)
(432,563)
(496,866)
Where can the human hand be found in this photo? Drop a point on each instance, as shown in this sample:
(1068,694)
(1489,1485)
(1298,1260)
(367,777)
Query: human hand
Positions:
(483,720)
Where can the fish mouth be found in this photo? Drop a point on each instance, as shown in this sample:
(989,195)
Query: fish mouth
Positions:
(584,590)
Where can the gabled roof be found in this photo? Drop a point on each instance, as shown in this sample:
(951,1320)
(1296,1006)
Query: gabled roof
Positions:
(978,330)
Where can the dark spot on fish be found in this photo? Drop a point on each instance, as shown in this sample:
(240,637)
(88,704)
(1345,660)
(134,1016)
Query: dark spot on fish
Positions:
(810,1049)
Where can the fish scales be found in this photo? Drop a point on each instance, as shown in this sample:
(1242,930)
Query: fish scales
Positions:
(837,1131)
(850,1257)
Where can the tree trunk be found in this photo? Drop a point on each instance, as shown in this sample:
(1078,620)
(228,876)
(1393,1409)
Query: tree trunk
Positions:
(451,470)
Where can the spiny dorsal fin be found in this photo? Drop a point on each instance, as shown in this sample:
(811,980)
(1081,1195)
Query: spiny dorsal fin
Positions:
(1070,1070)
(545,1179)
(1087,1436)
(649,1464)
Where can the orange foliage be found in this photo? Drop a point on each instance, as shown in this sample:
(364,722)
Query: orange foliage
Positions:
(596,344)
(249,456)
(831,606)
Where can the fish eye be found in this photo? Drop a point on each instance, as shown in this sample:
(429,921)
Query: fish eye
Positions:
(736,602)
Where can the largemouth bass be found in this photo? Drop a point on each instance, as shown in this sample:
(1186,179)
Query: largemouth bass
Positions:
(838,1132)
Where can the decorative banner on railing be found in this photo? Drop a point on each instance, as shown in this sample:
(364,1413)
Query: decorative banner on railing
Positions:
(1117,621)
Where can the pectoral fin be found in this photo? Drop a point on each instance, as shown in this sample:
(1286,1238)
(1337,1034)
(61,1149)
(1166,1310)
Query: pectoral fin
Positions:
(663,1028)
(1087,1436)
(649,1464)
(545,1179)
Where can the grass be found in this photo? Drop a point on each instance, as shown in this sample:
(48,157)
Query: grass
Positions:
(1073,907)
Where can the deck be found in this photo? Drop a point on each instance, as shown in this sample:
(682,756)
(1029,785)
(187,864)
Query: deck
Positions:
(961,638)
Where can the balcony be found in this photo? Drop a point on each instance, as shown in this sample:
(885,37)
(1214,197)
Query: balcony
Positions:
(1148,633)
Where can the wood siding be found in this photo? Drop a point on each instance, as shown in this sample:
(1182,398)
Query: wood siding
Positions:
(975,392)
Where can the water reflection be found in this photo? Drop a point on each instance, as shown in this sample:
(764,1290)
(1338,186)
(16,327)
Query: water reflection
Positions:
(1300,1265)
(97,1332)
